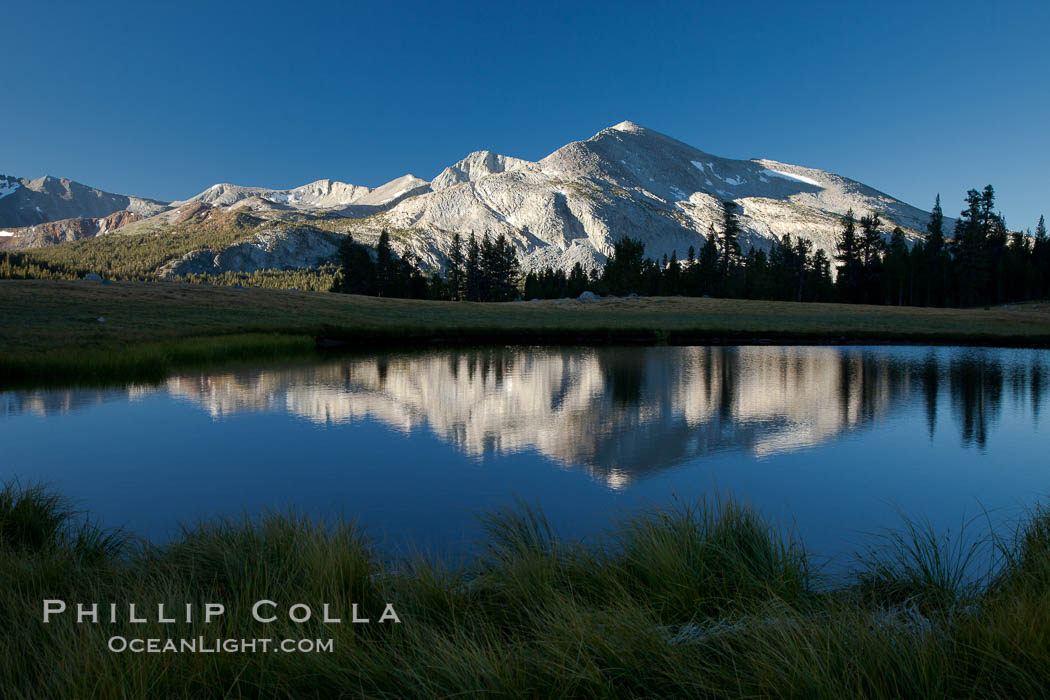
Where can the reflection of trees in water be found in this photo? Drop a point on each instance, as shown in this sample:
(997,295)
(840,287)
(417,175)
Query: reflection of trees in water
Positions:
(621,412)
(624,377)
(1037,385)
(931,382)
(976,387)
(494,364)
(729,367)
(976,384)
(868,383)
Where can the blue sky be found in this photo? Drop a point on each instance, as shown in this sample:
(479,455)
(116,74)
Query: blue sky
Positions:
(165,99)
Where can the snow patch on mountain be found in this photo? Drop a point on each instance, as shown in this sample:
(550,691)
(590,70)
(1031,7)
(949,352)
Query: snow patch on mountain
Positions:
(8,185)
(791,176)
(283,197)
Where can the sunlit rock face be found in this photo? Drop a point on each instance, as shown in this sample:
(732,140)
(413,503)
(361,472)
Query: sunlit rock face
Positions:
(619,413)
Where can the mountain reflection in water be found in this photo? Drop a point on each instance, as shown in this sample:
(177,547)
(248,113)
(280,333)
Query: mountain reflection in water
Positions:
(620,413)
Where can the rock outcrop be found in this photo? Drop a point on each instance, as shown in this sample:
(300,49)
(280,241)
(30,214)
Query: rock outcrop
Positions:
(282,249)
(64,230)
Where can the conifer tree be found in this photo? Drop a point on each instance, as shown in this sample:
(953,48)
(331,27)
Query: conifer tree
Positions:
(1041,261)
(708,268)
(385,266)
(624,270)
(800,266)
(972,232)
(895,269)
(870,240)
(673,276)
(757,279)
(728,242)
(490,264)
(473,274)
(780,254)
(690,275)
(504,270)
(455,269)
(935,258)
(849,256)
(356,273)
(822,283)
(577,282)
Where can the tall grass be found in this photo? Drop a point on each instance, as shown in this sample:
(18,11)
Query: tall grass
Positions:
(938,571)
(699,599)
(35,518)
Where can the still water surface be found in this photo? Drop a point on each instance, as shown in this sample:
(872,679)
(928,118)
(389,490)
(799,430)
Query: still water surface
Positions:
(830,442)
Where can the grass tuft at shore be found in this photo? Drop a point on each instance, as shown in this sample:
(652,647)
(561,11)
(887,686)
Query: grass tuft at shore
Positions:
(699,599)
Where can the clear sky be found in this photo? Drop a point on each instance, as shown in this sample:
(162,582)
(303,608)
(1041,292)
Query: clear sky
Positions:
(164,99)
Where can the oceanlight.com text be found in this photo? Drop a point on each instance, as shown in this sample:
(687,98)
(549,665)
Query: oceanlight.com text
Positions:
(200,645)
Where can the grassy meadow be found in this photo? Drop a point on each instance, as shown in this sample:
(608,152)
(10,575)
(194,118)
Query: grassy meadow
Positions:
(697,600)
(52,332)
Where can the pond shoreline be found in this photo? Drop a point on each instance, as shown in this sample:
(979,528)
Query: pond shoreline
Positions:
(154,362)
(539,339)
(57,331)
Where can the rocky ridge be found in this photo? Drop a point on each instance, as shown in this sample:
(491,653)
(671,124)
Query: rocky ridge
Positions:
(568,207)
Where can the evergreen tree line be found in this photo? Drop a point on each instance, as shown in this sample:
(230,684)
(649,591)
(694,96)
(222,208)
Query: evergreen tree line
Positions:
(19,266)
(314,279)
(486,270)
(981,263)
(389,275)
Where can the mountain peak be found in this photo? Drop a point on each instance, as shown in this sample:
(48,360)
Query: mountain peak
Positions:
(628,126)
(41,182)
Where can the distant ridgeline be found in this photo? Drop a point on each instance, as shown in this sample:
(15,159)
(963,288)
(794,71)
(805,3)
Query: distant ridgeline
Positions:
(979,262)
